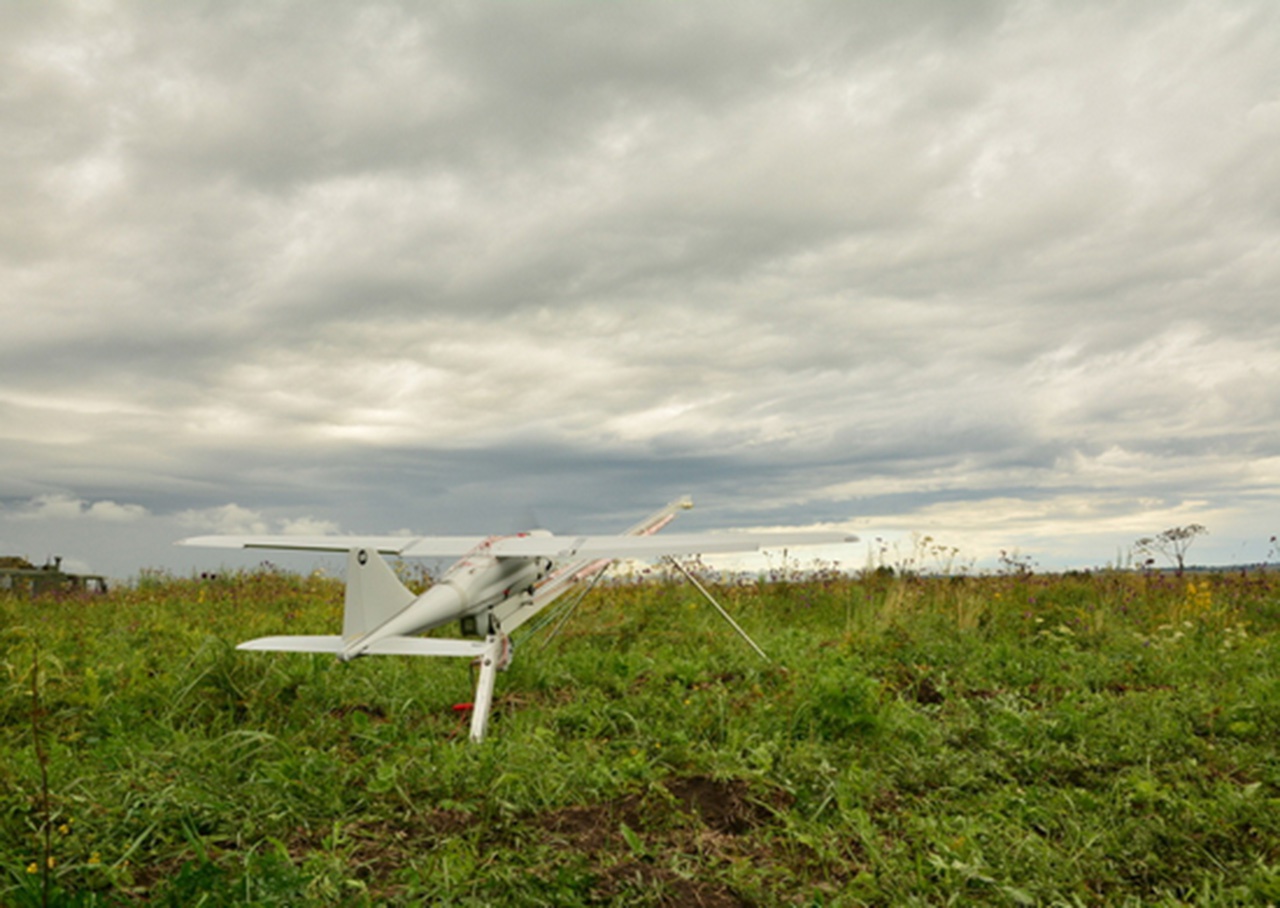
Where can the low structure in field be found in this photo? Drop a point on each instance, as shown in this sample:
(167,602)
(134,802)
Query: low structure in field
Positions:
(21,576)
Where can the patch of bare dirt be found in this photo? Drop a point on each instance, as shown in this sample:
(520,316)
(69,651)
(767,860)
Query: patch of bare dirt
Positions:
(725,807)
(592,828)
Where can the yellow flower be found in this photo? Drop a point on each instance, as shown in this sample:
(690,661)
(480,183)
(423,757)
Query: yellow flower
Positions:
(95,858)
(33,867)
(64,829)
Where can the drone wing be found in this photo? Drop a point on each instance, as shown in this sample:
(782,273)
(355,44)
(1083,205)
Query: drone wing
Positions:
(657,545)
(533,545)
(405,546)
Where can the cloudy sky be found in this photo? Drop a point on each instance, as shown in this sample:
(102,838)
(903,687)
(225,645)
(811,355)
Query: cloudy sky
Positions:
(1002,273)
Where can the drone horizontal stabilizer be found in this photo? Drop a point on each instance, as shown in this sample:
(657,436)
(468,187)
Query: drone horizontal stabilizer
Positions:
(428,646)
(390,646)
(296,644)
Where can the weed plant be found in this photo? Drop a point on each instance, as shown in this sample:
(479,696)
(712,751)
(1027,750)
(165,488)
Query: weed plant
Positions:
(1104,738)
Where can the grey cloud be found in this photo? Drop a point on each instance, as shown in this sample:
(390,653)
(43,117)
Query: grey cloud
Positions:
(805,261)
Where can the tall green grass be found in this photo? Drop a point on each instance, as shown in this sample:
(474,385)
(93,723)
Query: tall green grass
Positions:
(1092,739)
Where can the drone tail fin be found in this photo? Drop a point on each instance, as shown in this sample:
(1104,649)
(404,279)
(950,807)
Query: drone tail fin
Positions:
(374,593)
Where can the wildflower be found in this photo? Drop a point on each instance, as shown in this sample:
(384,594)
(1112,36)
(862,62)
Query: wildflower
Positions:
(33,867)
(95,859)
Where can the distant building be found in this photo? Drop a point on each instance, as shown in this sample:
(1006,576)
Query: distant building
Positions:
(18,575)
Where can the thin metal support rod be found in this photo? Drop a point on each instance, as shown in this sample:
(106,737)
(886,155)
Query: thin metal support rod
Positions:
(719,608)
(567,613)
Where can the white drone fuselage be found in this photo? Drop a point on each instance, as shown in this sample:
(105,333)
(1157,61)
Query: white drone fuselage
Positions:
(469,592)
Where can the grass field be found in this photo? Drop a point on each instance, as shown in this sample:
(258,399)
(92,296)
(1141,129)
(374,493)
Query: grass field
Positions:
(1015,739)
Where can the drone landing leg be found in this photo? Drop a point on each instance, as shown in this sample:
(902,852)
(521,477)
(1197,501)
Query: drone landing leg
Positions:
(495,657)
(719,608)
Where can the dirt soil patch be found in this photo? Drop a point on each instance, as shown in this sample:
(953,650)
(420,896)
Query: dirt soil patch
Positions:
(723,806)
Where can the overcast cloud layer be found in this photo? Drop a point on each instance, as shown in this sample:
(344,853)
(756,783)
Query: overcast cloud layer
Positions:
(1001,273)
